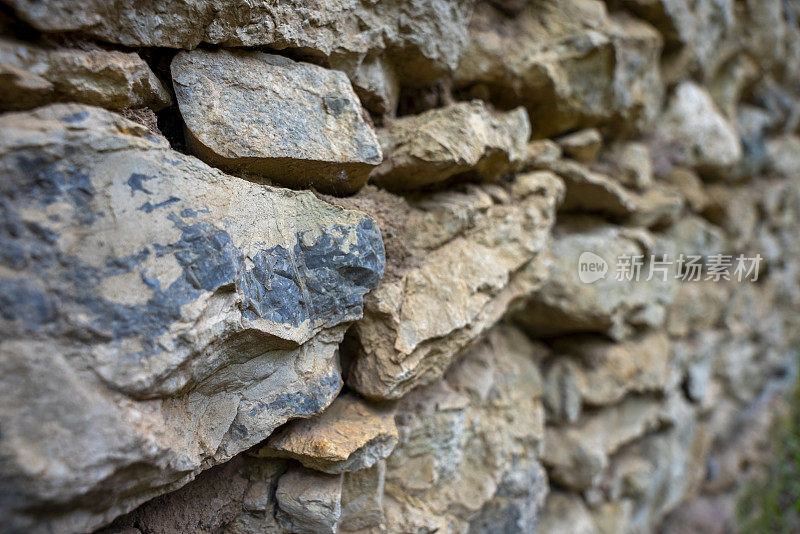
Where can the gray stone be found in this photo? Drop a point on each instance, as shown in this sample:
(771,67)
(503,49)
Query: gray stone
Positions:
(577,455)
(362,498)
(706,139)
(296,124)
(518,502)
(461,438)
(309,502)
(564,304)
(152,327)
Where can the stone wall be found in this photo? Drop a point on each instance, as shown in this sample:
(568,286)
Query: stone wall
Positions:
(351,266)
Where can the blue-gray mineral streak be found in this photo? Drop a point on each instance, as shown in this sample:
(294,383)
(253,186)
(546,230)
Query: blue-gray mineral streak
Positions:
(200,310)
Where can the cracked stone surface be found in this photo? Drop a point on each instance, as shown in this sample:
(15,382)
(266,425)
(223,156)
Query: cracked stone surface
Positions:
(157,330)
(293,123)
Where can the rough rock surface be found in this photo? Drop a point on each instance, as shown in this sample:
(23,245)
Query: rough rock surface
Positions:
(463,138)
(154,328)
(451,458)
(707,141)
(33,76)
(566,304)
(294,123)
(596,372)
(309,502)
(424,39)
(582,145)
(569,62)
(476,252)
(351,434)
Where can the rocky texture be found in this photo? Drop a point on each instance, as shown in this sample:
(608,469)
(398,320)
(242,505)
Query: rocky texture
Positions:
(309,502)
(296,124)
(564,304)
(464,138)
(596,372)
(582,145)
(165,327)
(463,438)
(577,454)
(593,192)
(144,328)
(423,39)
(32,76)
(704,138)
(568,61)
(472,254)
(351,434)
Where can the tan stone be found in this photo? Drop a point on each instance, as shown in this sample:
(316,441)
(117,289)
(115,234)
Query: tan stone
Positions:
(594,192)
(570,63)
(630,164)
(460,138)
(351,434)
(582,145)
(690,187)
(541,153)
(105,78)
(608,371)
(295,124)
(471,255)
(566,513)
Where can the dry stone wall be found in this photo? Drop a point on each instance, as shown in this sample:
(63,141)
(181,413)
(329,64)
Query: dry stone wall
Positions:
(445,266)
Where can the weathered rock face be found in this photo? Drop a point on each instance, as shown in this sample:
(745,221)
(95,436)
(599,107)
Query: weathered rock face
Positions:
(473,254)
(568,62)
(598,372)
(461,138)
(545,280)
(296,124)
(704,137)
(564,304)
(148,339)
(425,39)
(352,434)
(33,76)
(451,458)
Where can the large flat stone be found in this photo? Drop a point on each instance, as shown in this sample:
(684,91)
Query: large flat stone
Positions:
(295,124)
(158,316)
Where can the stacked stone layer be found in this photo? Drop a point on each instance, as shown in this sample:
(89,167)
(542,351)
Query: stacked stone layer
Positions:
(315,266)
